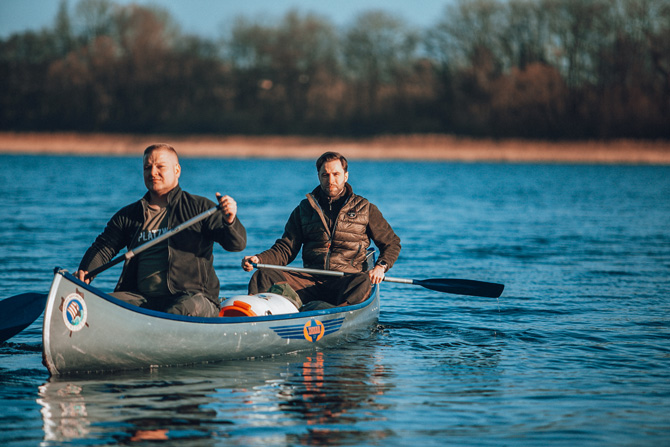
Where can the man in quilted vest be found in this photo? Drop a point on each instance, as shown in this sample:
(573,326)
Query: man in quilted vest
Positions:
(333,227)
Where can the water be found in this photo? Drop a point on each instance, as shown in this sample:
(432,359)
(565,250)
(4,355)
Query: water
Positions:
(576,351)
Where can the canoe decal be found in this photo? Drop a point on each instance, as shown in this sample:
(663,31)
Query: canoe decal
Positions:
(312,331)
(74,311)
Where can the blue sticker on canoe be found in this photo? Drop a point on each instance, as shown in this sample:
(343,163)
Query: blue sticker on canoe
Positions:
(312,331)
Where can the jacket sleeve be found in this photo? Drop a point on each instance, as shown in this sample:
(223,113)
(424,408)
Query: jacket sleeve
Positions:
(111,241)
(234,236)
(383,236)
(285,249)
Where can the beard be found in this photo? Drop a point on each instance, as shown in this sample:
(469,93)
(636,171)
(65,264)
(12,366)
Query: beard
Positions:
(332,191)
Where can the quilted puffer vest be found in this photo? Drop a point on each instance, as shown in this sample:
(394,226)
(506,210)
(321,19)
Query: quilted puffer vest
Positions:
(345,248)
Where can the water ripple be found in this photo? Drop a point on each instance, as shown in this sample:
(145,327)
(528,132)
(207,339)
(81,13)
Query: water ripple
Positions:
(575,351)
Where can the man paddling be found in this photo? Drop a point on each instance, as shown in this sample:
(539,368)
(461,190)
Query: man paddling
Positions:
(333,227)
(176,276)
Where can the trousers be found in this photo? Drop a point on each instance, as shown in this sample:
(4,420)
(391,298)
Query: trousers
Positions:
(190,304)
(339,290)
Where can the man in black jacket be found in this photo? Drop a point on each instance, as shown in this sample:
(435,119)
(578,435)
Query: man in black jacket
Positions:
(333,227)
(177,275)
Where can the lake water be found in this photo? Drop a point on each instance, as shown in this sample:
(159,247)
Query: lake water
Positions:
(575,352)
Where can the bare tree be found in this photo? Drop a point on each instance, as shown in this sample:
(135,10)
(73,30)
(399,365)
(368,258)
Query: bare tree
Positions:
(284,70)
(94,18)
(532,68)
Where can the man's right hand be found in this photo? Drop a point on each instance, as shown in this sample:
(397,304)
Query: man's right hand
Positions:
(81,275)
(247,261)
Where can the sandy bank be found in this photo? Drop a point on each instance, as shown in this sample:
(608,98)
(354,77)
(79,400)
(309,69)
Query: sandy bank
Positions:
(412,147)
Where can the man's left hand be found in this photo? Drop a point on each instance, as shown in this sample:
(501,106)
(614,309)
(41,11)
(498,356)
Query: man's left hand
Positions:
(228,206)
(377,274)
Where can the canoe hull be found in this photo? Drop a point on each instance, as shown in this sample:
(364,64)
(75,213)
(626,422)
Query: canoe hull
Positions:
(86,330)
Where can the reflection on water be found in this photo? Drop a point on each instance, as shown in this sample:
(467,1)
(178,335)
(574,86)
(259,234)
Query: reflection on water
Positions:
(63,411)
(333,394)
(304,398)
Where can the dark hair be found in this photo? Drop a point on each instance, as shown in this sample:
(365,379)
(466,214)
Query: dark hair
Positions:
(330,156)
(160,146)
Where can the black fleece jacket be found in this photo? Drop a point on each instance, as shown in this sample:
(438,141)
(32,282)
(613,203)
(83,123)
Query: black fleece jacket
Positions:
(190,252)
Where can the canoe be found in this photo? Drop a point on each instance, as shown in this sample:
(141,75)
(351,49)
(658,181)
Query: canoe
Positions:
(87,330)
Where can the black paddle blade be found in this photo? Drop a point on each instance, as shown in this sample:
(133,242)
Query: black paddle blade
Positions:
(19,312)
(462,287)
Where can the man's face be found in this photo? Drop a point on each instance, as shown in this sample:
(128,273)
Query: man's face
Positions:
(332,178)
(161,171)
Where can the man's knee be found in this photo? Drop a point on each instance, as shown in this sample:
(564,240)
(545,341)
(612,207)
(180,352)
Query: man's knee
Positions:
(263,279)
(362,278)
(131,298)
(358,289)
(197,305)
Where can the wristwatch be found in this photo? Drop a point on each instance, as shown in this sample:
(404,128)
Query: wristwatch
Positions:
(383,264)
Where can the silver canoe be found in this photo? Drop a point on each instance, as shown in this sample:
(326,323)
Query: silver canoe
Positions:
(86,330)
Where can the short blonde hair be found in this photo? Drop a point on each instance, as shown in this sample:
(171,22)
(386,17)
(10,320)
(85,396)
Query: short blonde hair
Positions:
(160,146)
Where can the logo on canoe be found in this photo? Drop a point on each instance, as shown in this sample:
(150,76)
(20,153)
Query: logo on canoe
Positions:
(313,330)
(74,312)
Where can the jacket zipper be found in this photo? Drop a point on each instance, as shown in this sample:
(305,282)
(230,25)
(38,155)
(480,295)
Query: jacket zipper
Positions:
(353,259)
(331,232)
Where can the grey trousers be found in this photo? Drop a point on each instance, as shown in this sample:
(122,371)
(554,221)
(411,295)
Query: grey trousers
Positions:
(193,305)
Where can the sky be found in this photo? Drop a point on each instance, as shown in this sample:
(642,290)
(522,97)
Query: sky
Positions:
(207,17)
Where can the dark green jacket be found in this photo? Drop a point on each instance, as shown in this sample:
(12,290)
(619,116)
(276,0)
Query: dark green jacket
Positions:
(190,263)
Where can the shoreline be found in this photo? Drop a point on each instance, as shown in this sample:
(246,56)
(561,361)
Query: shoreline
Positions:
(431,147)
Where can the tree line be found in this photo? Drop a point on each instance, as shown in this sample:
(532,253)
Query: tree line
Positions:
(553,69)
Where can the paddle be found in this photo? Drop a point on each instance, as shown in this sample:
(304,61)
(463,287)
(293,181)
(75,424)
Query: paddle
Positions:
(137,250)
(20,311)
(446,285)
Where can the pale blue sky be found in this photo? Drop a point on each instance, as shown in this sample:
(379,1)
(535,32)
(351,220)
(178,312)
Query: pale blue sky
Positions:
(206,17)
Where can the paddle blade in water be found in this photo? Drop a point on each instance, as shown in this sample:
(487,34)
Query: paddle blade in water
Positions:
(462,287)
(19,312)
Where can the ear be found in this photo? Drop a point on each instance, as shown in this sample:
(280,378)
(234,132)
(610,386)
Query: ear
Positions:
(346,176)
(177,170)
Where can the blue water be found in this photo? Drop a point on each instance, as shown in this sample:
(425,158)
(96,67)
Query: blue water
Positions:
(575,352)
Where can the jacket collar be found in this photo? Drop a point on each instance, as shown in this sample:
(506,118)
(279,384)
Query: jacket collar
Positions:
(172,195)
(318,192)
